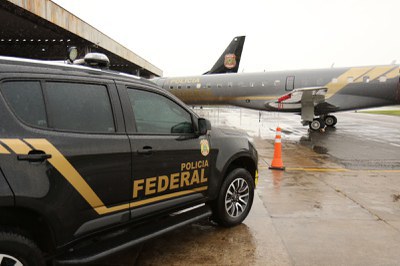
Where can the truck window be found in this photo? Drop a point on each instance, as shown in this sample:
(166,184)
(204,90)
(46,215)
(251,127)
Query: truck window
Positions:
(156,114)
(26,99)
(79,107)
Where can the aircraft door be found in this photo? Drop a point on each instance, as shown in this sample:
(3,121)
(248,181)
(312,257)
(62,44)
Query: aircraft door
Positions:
(289,83)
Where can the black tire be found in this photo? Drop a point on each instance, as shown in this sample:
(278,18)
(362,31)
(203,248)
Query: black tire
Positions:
(315,125)
(234,199)
(330,121)
(16,249)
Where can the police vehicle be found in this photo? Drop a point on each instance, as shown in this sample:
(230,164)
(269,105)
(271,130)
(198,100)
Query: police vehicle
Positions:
(93,162)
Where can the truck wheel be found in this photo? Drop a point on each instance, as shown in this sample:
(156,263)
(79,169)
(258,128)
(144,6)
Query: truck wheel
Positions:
(235,198)
(16,249)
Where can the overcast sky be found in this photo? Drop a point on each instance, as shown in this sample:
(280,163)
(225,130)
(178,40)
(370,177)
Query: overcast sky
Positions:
(184,37)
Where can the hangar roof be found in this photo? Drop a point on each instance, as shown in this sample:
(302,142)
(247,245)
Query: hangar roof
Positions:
(41,29)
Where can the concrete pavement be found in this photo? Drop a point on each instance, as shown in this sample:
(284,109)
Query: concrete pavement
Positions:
(337,203)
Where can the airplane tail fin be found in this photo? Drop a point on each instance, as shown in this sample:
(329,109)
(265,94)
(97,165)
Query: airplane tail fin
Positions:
(230,58)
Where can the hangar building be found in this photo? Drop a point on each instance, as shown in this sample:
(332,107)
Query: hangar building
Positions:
(41,29)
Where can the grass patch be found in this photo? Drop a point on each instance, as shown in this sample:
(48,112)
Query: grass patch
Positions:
(383,112)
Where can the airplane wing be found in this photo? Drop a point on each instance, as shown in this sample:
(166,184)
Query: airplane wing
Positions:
(302,100)
(295,98)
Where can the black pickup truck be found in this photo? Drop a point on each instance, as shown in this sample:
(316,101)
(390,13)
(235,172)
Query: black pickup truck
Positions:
(93,162)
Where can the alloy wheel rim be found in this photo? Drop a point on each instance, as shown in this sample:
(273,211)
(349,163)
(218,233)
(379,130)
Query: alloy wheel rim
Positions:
(315,125)
(329,121)
(9,260)
(237,197)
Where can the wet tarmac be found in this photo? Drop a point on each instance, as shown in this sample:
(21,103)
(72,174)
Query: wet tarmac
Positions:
(337,202)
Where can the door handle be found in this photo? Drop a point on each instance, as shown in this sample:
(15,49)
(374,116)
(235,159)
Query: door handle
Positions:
(34,157)
(146,150)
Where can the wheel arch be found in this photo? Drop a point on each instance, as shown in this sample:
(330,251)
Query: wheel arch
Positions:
(29,223)
(240,161)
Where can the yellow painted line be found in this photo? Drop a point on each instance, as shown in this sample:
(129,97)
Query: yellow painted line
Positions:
(3,150)
(300,169)
(318,169)
(379,171)
(256,178)
(379,71)
(16,145)
(167,196)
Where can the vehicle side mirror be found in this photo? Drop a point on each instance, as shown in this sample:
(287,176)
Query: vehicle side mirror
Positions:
(204,126)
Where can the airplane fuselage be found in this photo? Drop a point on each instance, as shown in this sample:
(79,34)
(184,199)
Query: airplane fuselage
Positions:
(347,88)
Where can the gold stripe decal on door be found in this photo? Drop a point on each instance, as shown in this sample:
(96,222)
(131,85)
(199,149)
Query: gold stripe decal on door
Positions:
(167,196)
(3,150)
(59,162)
(16,145)
(68,171)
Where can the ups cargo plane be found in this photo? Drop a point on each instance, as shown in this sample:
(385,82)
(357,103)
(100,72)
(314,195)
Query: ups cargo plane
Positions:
(314,94)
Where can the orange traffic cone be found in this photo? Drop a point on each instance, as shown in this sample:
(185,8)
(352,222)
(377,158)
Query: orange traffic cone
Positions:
(277,163)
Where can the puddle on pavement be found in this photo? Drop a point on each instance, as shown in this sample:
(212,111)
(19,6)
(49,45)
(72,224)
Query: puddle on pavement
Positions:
(320,149)
(202,244)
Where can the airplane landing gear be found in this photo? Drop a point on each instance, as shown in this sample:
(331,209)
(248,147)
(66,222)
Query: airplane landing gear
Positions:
(330,120)
(317,124)
(322,121)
